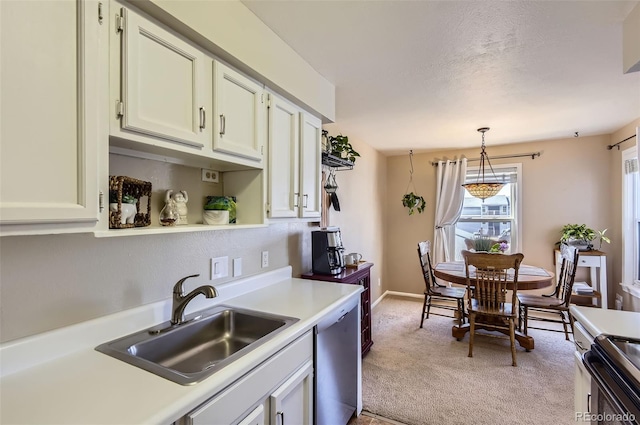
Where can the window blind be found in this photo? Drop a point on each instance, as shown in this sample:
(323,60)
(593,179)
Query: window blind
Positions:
(631,166)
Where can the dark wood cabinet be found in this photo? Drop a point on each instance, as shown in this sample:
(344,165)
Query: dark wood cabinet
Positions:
(360,276)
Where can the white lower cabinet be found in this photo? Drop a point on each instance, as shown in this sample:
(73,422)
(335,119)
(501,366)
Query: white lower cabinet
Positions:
(583,341)
(292,402)
(254,418)
(277,392)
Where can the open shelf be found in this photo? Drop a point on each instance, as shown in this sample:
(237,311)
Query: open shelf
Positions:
(156,230)
(335,162)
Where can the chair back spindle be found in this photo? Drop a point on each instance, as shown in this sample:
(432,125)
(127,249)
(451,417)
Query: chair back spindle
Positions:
(556,302)
(439,295)
(487,289)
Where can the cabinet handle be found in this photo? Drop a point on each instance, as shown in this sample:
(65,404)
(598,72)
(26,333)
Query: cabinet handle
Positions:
(281,414)
(223,124)
(296,198)
(306,200)
(589,403)
(203,118)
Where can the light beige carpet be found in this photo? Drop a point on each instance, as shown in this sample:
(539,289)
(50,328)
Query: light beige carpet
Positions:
(423,376)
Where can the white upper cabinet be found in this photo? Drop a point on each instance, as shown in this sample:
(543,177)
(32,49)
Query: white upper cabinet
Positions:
(284,142)
(239,107)
(49,119)
(294,161)
(164,88)
(310,164)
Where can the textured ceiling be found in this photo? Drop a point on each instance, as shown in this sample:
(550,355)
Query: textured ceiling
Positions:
(425,75)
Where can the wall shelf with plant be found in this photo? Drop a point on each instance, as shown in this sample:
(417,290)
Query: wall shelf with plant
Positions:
(337,152)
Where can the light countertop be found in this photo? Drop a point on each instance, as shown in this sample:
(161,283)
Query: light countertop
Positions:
(85,386)
(611,322)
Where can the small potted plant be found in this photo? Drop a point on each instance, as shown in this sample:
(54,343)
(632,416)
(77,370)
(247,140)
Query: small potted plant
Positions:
(339,146)
(582,237)
(414,203)
(578,235)
(128,207)
(483,243)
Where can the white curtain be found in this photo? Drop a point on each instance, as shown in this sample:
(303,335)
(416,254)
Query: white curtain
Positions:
(449,197)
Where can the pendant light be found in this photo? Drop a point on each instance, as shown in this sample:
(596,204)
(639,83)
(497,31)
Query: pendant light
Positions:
(483,189)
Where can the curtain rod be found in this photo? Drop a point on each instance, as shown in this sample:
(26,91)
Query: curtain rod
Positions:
(533,155)
(621,141)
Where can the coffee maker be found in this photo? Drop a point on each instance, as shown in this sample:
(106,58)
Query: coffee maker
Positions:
(326,251)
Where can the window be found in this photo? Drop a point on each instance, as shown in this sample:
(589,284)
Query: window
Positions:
(630,217)
(496,217)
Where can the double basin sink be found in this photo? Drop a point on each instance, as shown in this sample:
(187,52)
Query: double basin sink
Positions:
(190,352)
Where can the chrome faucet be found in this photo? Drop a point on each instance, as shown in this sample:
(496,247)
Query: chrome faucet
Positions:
(180,300)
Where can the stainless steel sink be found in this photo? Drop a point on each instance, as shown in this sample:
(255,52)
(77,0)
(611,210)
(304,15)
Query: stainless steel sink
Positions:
(189,352)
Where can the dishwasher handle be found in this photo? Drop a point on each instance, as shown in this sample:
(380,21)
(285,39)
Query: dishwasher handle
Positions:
(338,315)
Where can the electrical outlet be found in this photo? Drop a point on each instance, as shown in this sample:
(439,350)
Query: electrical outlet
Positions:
(210,176)
(237,267)
(219,267)
(379,284)
(265,259)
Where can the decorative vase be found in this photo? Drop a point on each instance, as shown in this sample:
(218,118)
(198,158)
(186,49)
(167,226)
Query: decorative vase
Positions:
(169,215)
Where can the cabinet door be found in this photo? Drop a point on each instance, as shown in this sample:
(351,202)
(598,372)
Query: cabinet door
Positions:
(49,120)
(256,417)
(292,402)
(582,386)
(239,113)
(310,164)
(163,86)
(284,140)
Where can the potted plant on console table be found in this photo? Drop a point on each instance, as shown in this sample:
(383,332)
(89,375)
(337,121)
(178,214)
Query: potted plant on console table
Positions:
(582,237)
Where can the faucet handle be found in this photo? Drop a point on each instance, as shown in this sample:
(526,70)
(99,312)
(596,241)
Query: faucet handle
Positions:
(178,288)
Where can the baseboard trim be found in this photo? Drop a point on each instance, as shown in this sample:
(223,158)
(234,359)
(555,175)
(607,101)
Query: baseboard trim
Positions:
(395,294)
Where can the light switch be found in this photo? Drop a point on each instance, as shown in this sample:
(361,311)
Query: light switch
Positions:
(237,267)
(219,267)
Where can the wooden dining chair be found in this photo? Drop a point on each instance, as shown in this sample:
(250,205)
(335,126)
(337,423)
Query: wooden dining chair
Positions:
(488,277)
(555,303)
(436,294)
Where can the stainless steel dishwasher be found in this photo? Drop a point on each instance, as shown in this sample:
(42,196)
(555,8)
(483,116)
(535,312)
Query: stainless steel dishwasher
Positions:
(337,365)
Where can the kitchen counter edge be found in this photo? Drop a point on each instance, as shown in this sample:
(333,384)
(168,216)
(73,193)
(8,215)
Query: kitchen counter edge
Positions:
(91,387)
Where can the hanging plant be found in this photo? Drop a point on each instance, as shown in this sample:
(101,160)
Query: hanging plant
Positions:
(411,200)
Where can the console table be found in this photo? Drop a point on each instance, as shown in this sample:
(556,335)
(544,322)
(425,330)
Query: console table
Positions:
(597,263)
(355,276)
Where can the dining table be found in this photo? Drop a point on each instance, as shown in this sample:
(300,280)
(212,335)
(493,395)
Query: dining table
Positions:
(529,277)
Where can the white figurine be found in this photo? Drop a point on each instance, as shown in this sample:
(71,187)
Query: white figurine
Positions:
(181,198)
